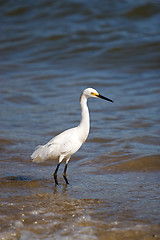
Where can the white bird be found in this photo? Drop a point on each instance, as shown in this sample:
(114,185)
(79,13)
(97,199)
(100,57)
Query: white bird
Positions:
(68,142)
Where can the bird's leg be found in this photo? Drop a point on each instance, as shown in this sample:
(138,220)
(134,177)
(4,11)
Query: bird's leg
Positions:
(55,174)
(64,173)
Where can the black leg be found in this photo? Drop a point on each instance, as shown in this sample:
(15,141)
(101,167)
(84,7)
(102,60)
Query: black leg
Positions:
(64,173)
(55,174)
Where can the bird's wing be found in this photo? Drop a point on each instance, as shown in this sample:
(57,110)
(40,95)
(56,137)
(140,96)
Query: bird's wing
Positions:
(64,144)
(66,147)
(52,150)
(59,145)
(70,143)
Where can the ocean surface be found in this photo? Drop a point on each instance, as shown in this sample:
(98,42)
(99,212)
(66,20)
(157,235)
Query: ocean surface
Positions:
(50,51)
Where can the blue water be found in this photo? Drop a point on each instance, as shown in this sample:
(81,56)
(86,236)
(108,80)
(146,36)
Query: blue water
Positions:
(50,51)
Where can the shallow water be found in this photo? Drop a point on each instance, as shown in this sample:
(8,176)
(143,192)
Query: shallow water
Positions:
(50,52)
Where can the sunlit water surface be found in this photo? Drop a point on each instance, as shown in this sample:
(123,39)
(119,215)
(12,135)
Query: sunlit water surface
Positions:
(50,52)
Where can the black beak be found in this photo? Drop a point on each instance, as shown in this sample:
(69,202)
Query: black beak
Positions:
(100,96)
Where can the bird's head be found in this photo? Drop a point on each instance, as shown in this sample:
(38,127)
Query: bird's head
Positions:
(91,92)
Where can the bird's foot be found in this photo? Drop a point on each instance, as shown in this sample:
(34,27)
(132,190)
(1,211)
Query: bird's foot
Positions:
(65,178)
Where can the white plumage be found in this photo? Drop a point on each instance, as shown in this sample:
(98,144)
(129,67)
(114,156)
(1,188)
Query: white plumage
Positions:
(68,142)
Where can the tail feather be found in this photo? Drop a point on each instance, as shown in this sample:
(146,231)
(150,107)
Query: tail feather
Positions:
(39,154)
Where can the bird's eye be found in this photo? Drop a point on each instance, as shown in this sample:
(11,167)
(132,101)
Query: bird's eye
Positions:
(94,94)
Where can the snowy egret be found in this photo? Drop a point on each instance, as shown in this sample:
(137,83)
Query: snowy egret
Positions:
(68,142)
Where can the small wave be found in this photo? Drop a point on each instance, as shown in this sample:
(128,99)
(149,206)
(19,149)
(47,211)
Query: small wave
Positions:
(17,11)
(143,11)
(4,142)
(21,99)
(19,178)
(139,164)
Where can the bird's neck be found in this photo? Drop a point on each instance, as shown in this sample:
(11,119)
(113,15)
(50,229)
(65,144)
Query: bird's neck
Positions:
(85,122)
